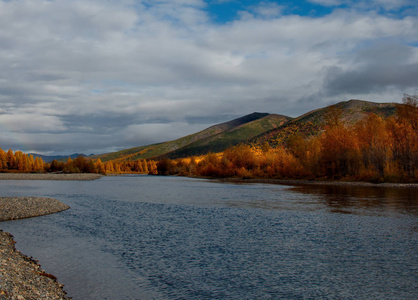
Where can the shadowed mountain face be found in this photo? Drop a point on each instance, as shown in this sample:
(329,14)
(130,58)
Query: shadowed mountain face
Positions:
(257,128)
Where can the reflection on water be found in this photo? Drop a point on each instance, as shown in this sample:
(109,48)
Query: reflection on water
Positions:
(363,200)
(146,237)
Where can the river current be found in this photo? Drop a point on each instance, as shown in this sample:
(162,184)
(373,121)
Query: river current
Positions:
(148,237)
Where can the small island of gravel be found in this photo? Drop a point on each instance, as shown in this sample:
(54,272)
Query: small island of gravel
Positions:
(13,208)
(21,277)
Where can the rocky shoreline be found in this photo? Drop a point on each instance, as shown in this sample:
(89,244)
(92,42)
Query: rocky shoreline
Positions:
(21,277)
(49,176)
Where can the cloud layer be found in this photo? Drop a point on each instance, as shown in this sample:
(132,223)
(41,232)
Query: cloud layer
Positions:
(97,76)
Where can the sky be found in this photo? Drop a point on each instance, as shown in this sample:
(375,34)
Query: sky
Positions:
(96,76)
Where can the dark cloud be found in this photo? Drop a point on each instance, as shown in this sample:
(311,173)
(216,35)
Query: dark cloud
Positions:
(374,69)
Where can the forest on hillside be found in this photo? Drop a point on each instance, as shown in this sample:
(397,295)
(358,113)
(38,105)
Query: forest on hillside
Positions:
(374,149)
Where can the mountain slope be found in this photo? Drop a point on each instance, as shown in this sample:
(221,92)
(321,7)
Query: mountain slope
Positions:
(238,132)
(231,137)
(313,122)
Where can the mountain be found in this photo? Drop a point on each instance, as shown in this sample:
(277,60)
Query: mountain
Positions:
(313,122)
(49,158)
(215,138)
(233,136)
(255,128)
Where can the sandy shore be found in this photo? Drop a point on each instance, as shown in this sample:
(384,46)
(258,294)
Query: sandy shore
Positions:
(21,277)
(48,176)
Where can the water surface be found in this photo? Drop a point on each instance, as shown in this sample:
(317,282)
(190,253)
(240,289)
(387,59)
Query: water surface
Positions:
(145,237)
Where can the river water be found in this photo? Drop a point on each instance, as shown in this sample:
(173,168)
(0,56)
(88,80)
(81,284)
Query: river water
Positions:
(147,237)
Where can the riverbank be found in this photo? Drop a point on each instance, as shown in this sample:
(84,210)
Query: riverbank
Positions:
(49,176)
(314,182)
(21,277)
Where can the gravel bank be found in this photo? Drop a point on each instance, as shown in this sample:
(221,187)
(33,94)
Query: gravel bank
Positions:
(13,208)
(48,176)
(20,276)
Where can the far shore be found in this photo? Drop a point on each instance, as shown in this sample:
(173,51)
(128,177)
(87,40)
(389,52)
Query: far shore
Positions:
(291,182)
(49,176)
(294,182)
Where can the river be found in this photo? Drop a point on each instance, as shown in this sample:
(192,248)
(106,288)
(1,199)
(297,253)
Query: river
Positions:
(149,237)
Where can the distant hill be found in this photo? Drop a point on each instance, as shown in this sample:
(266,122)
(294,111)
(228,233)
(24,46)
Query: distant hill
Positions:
(255,128)
(313,122)
(215,138)
(49,158)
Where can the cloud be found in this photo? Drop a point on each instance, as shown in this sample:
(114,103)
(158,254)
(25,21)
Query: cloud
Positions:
(264,10)
(373,4)
(328,2)
(124,73)
(32,123)
(374,69)
(148,133)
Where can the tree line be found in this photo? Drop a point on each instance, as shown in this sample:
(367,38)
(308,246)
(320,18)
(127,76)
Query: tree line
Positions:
(19,162)
(83,165)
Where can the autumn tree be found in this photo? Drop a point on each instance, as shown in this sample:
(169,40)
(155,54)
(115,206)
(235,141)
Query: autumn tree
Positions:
(374,144)
(404,133)
(3,160)
(31,162)
(100,167)
(11,160)
(165,166)
(39,165)
(209,165)
(339,147)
